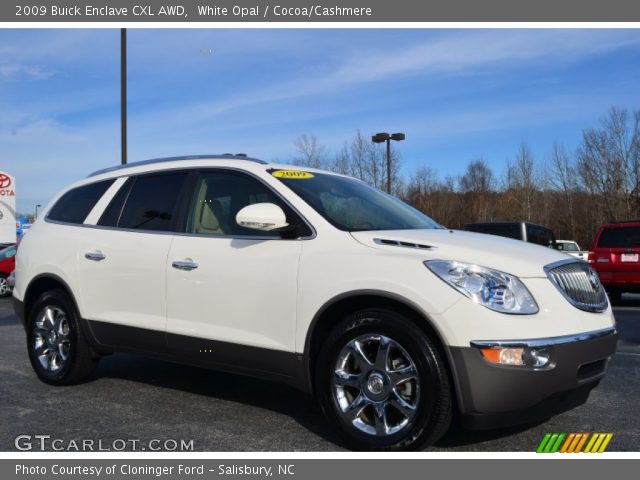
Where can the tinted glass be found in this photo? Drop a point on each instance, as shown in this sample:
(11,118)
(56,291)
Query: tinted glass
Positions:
(152,202)
(540,236)
(112,213)
(351,205)
(509,230)
(75,205)
(7,253)
(620,237)
(219,196)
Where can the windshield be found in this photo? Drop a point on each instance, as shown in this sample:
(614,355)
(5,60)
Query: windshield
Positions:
(352,205)
(7,252)
(568,246)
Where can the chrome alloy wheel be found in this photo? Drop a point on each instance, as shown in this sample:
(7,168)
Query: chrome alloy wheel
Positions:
(51,340)
(4,287)
(376,385)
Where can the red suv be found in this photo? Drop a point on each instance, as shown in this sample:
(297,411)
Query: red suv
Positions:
(615,255)
(7,265)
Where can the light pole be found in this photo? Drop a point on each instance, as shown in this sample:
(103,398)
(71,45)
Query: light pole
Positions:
(385,137)
(37,207)
(123,93)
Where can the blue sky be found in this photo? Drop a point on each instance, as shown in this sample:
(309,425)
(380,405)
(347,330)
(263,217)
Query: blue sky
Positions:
(457,94)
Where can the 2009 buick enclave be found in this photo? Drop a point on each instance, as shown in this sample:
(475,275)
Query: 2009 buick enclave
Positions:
(391,321)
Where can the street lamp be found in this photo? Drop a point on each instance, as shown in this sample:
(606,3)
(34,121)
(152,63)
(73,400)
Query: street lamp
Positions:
(37,207)
(385,137)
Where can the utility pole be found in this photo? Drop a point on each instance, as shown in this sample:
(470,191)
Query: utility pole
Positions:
(123,93)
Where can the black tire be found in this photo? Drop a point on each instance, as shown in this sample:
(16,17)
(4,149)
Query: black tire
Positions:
(432,397)
(5,291)
(78,361)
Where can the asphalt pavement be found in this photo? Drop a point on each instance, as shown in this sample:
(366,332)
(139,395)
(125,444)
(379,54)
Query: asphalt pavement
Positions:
(137,402)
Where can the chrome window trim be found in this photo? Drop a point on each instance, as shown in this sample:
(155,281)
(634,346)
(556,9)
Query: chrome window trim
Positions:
(313,234)
(544,342)
(579,305)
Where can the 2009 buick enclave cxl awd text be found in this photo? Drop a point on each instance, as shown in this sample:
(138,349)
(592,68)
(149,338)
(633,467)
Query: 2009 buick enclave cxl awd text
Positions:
(391,321)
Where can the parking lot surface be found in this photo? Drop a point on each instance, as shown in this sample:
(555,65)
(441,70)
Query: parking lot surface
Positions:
(132,398)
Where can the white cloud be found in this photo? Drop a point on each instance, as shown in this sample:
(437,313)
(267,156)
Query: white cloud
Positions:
(14,71)
(454,53)
(46,131)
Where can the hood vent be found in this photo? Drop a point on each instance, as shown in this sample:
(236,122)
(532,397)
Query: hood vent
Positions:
(398,243)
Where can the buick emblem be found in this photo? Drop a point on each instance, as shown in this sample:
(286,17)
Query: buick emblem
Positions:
(593,279)
(5,180)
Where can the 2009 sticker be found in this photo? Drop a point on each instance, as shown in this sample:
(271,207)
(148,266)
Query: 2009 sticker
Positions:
(295,174)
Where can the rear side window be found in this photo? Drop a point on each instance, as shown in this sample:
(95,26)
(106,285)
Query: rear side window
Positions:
(621,237)
(151,203)
(540,236)
(75,205)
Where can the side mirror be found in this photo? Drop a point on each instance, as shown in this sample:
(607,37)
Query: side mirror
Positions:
(265,217)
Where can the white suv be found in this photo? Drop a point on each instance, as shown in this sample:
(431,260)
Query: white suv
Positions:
(391,321)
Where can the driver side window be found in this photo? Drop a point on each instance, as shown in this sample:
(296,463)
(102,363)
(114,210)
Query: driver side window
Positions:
(219,196)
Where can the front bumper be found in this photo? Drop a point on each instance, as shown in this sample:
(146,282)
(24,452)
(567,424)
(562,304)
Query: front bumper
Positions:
(491,395)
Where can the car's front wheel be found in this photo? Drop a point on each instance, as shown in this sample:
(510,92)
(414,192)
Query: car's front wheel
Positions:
(383,382)
(58,351)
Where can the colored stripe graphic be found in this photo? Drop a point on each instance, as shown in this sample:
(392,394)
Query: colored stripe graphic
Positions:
(567,442)
(543,443)
(599,443)
(551,442)
(574,442)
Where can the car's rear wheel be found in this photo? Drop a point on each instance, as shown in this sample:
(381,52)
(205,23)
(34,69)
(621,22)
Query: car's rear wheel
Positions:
(5,290)
(382,380)
(58,351)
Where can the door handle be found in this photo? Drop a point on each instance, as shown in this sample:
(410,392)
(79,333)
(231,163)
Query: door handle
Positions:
(96,256)
(184,265)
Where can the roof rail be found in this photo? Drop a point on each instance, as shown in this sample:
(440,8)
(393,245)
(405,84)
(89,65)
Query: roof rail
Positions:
(225,156)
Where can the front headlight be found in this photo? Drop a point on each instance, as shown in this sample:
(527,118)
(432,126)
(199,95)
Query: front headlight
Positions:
(493,289)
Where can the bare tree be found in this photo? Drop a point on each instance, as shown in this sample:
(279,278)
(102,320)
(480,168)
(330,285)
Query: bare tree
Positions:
(476,185)
(362,159)
(522,181)
(608,162)
(564,178)
(310,152)
(478,177)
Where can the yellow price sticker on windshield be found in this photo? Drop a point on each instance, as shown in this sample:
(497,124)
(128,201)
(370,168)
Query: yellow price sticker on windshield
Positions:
(295,174)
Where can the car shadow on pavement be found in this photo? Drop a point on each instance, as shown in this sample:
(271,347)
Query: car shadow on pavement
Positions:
(458,436)
(259,393)
(221,386)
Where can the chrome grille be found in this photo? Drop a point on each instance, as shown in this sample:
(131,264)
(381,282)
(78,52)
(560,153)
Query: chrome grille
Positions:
(579,284)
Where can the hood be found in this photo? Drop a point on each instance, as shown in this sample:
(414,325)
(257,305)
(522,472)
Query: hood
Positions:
(510,256)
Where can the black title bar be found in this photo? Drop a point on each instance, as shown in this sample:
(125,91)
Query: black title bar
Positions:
(320,11)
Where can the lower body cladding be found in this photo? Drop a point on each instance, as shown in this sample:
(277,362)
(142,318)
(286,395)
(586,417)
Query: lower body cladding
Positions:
(494,394)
